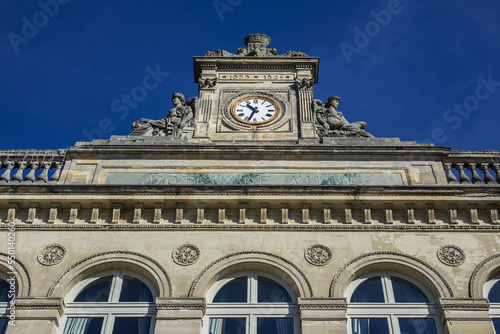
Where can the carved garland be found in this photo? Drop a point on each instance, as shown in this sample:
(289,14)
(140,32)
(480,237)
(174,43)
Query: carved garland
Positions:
(337,275)
(476,270)
(25,271)
(51,290)
(197,279)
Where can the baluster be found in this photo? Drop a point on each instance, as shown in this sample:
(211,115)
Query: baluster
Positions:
(6,175)
(496,167)
(449,175)
(19,175)
(44,175)
(475,176)
(463,178)
(488,178)
(57,173)
(31,175)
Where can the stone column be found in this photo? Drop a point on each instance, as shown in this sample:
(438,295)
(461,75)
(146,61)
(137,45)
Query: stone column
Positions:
(36,315)
(465,315)
(323,315)
(179,315)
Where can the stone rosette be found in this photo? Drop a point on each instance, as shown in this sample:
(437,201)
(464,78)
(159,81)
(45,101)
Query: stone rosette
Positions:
(186,254)
(451,255)
(318,255)
(52,254)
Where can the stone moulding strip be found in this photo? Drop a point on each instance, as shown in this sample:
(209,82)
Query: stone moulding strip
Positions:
(225,257)
(472,281)
(173,306)
(235,226)
(25,271)
(484,307)
(51,290)
(342,306)
(337,275)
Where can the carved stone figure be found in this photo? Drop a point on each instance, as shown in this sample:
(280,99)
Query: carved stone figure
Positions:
(331,123)
(256,46)
(177,119)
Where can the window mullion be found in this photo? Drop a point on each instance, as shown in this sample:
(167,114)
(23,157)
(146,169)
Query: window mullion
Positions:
(107,324)
(389,292)
(116,287)
(252,288)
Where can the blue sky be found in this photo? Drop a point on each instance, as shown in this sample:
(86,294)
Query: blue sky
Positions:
(418,70)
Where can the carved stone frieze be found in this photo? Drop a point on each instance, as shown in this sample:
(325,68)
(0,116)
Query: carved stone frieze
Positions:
(451,255)
(186,254)
(318,255)
(52,254)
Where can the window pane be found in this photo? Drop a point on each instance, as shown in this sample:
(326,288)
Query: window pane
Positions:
(370,291)
(233,292)
(417,326)
(134,290)
(405,292)
(132,325)
(4,292)
(4,322)
(271,292)
(274,325)
(370,326)
(496,325)
(83,326)
(96,292)
(227,326)
(494,294)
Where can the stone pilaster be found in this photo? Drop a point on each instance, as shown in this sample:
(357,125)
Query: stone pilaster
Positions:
(323,315)
(179,315)
(37,315)
(465,315)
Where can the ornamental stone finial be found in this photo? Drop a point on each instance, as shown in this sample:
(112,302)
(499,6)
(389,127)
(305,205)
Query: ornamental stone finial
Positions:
(257,38)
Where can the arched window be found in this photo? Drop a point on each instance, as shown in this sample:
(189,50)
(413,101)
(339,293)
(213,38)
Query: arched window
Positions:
(7,292)
(492,291)
(388,303)
(251,303)
(111,303)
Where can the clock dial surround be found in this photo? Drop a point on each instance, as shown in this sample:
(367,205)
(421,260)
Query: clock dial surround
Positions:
(255,109)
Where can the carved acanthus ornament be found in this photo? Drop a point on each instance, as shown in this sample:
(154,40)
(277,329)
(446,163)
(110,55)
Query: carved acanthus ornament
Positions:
(305,83)
(207,83)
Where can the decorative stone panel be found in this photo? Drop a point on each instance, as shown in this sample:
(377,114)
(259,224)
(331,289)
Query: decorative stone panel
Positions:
(451,255)
(318,255)
(52,254)
(186,254)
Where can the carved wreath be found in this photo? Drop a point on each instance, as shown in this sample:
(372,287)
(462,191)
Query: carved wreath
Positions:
(318,255)
(451,255)
(52,254)
(186,254)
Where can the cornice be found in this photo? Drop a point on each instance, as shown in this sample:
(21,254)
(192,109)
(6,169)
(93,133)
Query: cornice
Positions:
(258,227)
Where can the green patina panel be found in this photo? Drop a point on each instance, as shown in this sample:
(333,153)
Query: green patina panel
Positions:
(264,179)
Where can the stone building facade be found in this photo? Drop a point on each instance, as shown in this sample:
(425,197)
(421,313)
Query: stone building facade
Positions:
(251,208)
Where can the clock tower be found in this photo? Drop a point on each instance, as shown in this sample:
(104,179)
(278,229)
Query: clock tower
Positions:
(255,94)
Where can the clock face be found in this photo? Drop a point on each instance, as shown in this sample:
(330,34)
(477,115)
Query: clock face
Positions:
(255,109)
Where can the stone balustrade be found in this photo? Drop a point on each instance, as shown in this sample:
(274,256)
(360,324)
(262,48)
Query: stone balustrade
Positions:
(31,165)
(472,167)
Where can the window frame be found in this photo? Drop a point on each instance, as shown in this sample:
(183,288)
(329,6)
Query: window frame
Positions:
(4,305)
(494,309)
(390,309)
(251,310)
(112,309)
